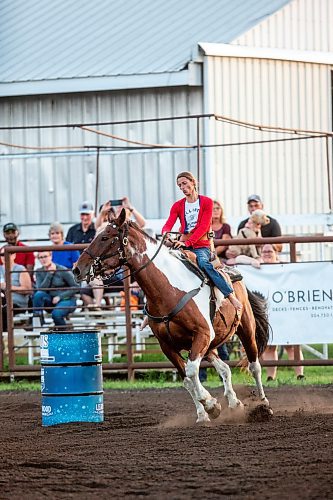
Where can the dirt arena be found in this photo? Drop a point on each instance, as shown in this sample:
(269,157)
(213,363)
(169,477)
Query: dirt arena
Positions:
(149,447)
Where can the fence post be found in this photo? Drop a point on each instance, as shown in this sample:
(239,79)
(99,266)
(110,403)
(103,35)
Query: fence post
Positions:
(128,316)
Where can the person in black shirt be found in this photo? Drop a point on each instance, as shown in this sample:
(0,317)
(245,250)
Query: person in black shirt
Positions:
(272,229)
(85,231)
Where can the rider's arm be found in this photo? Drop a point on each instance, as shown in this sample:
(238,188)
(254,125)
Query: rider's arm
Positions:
(173,216)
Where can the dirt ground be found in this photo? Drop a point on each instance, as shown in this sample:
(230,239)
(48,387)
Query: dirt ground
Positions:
(149,447)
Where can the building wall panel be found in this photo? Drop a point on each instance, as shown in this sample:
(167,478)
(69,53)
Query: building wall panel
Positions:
(38,187)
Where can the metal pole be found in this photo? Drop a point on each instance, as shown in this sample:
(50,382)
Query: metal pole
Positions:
(127,284)
(97,180)
(198,152)
(9,301)
(329,180)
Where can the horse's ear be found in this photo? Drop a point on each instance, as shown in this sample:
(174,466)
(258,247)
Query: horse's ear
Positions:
(111,216)
(122,217)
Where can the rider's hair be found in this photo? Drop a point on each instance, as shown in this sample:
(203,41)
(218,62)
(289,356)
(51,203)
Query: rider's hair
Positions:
(190,177)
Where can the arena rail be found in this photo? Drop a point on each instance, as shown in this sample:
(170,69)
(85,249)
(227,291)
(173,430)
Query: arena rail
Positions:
(9,367)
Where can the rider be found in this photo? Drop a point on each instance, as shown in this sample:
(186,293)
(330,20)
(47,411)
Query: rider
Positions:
(195,215)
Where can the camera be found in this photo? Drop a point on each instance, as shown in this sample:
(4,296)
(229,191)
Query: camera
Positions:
(116,203)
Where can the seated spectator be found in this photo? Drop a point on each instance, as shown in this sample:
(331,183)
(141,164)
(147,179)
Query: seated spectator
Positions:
(21,288)
(269,255)
(66,258)
(222,230)
(53,276)
(11,235)
(84,231)
(252,229)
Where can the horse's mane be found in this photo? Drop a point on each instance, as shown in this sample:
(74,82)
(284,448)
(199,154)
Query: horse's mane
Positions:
(133,224)
(180,256)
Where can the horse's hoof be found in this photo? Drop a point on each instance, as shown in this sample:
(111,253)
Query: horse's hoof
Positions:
(203,419)
(265,401)
(214,409)
(236,405)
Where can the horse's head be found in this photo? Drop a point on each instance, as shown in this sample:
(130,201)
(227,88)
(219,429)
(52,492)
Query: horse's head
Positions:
(110,245)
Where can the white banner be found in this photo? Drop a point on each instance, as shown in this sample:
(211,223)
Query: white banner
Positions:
(300,300)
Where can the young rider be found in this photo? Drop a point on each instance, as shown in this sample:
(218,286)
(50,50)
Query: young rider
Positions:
(195,215)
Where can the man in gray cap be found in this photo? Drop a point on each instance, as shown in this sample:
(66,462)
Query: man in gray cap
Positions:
(84,231)
(272,229)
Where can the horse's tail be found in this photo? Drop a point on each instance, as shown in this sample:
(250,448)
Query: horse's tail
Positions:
(263,328)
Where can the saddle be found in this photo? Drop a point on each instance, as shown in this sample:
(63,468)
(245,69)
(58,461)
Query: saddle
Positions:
(189,259)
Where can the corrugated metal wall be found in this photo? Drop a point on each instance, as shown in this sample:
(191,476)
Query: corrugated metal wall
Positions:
(40,189)
(291,176)
(300,25)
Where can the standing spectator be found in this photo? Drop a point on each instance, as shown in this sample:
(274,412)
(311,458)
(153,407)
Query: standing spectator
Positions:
(131,212)
(52,275)
(84,231)
(66,258)
(222,230)
(20,286)
(272,229)
(11,235)
(269,255)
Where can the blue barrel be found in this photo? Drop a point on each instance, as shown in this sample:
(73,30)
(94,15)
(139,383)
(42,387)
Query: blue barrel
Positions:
(71,377)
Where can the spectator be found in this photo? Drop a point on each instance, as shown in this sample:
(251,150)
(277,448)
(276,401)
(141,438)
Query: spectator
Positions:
(11,235)
(21,288)
(269,255)
(248,254)
(84,231)
(222,230)
(92,293)
(52,275)
(131,212)
(66,258)
(272,229)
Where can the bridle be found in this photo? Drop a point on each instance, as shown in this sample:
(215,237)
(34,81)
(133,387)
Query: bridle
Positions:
(99,267)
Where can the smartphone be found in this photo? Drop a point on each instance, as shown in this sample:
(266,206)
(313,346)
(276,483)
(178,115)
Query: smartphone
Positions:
(116,203)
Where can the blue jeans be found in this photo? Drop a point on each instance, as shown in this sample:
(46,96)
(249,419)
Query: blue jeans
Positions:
(60,310)
(203,258)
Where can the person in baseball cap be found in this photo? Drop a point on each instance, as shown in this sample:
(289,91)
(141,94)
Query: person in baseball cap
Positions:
(11,235)
(84,231)
(271,229)
(86,207)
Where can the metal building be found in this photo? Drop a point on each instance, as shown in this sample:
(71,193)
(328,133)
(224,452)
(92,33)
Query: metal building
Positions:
(263,61)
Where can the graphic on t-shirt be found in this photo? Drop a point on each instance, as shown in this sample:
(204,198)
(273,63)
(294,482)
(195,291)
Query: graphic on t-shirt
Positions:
(191,215)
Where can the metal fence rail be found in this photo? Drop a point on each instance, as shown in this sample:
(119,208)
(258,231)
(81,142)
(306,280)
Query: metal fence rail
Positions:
(130,348)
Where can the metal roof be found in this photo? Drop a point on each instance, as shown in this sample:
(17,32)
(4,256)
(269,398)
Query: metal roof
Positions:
(66,39)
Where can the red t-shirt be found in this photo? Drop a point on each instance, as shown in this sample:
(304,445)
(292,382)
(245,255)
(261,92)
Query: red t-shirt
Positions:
(24,258)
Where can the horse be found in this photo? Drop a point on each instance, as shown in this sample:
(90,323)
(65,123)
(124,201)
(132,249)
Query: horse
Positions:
(178,304)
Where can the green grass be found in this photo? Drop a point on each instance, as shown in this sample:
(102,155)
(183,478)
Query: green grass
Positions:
(314,375)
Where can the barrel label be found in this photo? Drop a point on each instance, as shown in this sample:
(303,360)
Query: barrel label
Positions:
(99,408)
(46,410)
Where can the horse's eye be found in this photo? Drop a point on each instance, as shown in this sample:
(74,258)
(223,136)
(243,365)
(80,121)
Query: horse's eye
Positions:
(104,238)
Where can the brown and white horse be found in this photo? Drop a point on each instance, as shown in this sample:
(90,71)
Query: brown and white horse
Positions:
(179,301)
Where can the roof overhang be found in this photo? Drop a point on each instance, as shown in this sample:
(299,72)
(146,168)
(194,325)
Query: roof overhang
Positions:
(227,50)
(192,76)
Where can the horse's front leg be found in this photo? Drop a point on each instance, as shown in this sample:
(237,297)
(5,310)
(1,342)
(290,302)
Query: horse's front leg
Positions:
(179,363)
(225,373)
(199,346)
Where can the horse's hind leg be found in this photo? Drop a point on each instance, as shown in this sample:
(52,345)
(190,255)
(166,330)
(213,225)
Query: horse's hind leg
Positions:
(247,337)
(225,373)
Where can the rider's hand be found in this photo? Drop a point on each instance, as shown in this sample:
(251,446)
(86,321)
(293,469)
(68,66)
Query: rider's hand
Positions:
(179,244)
